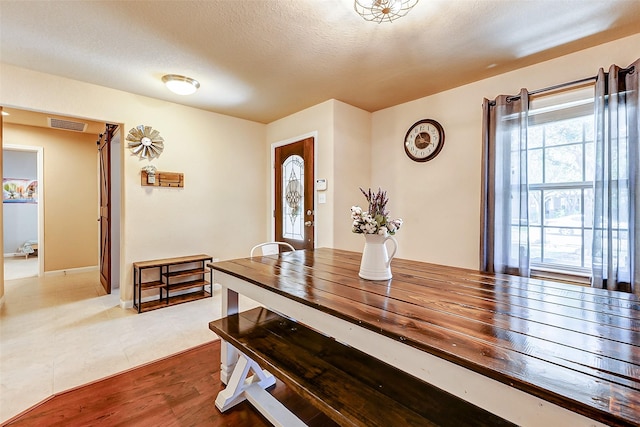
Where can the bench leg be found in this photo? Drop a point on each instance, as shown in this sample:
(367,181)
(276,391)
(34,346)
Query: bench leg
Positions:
(252,388)
(271,408)
(228,360)
(240,381)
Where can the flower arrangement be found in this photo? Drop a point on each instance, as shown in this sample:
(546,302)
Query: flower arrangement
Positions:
(376,219)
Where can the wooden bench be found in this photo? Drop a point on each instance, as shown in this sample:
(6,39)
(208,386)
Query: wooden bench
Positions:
(350,386)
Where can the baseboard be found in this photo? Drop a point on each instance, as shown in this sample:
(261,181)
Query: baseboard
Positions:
(13,255)
(71,271)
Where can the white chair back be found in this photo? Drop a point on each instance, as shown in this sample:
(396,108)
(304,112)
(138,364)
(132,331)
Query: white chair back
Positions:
(271,248)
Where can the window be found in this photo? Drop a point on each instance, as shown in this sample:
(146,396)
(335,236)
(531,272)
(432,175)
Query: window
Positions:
(560,159)
(560,179)
(293,198)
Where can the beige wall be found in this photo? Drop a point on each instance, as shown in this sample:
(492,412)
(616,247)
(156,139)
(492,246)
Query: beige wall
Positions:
(226,203)
(440,200)
(317,120)
(352,170)
(342,158)
(221,209)
(1,228)
(69,191)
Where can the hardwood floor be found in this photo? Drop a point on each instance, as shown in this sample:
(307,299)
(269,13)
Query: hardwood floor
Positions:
(176,391)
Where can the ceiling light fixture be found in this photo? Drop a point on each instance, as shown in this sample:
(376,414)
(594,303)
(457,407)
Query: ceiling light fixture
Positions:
(383,10)
(180,84)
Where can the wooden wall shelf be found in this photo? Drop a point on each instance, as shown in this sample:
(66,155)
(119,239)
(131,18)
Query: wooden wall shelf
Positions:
(163,179)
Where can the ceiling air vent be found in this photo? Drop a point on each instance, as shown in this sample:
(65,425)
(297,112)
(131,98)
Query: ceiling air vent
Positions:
(66,125)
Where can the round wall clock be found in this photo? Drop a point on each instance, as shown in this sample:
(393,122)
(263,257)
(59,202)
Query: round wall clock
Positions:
(424,140)
(145,141)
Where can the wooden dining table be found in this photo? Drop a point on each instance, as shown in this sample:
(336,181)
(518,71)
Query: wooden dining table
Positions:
(535,352)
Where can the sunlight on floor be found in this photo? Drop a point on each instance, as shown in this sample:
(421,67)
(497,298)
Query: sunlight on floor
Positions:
(63,331)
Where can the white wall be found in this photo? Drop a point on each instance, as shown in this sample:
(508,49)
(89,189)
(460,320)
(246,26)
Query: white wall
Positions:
(318,119)
(342,158)
(226,203)
(351,170)
(440,199)
(20,222)
(221,209)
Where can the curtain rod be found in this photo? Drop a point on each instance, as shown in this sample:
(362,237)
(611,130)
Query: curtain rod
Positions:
(546,89)
(629,70)
(561,85)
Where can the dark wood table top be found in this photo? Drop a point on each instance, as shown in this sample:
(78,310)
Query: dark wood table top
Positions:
(575,346)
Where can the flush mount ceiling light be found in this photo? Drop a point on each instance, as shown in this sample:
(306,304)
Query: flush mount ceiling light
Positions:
(180,84)
(383,10)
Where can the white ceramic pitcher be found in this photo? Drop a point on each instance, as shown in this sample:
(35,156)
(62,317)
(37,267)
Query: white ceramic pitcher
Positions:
(376,262)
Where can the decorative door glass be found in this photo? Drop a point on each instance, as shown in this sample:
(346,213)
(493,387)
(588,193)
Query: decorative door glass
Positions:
(293,197)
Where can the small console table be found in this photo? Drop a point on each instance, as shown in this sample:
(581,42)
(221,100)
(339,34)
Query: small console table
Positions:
(186,274)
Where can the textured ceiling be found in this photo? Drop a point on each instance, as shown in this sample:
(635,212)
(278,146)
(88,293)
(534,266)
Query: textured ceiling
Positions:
(265,59)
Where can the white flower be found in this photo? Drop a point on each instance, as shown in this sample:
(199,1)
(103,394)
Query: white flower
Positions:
(376,219)
(356,212)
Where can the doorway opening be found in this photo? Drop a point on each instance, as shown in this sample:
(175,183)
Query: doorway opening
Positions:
(68,141)
(23,207)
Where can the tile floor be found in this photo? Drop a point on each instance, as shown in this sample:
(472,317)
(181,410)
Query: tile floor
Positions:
(19,267)
(61,332)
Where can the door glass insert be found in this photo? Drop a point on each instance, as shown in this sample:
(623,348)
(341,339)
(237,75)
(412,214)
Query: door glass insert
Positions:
(293,197)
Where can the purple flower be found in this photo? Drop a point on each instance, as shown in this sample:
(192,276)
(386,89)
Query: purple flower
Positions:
(376,219)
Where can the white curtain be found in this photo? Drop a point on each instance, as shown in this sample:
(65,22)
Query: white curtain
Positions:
(505,213)
(616,243)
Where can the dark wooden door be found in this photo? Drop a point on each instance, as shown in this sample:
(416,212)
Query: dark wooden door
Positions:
(294,189)
(104,149)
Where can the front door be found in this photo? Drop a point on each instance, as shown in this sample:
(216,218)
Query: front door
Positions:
(104,150)
(294,209)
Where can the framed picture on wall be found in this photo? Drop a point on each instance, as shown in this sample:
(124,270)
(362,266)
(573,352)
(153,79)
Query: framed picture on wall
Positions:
(15,190)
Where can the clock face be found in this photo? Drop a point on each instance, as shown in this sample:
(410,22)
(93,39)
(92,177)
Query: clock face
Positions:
(424,140)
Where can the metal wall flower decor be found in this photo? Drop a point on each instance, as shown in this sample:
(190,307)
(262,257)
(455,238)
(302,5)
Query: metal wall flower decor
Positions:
(145,142)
